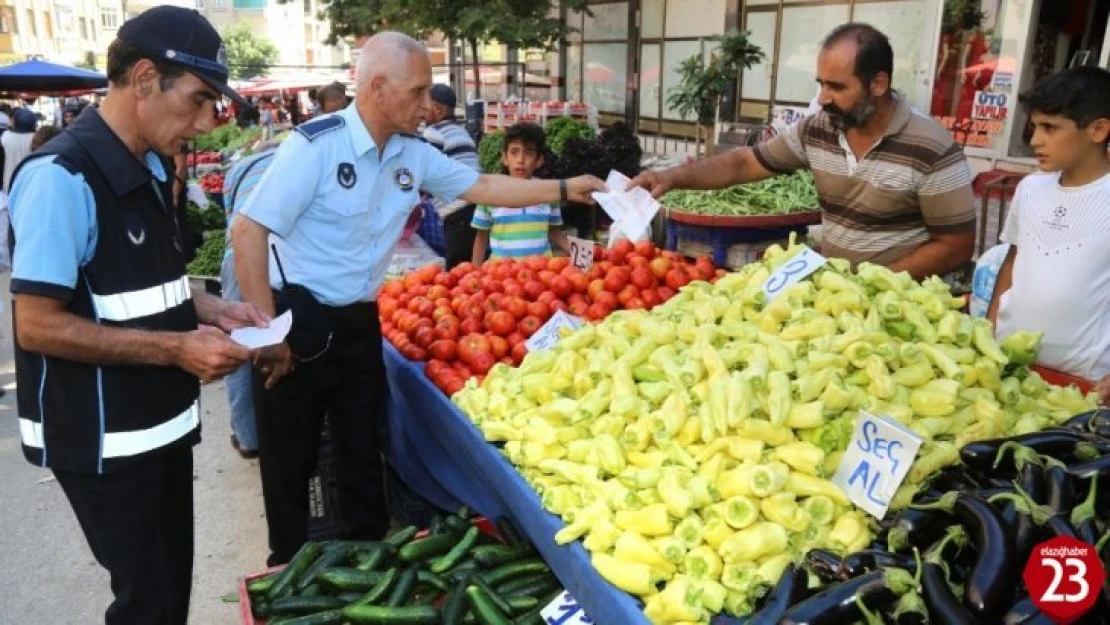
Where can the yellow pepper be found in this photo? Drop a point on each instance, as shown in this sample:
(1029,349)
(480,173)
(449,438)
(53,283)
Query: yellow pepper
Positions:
(703,490)
(739,576)
(690,531)
(806,416)
(773,435)
(741,511)
(672,549)
(640,478)
(778,397)
(500,431)
(850,533)
(610,454)
(632,577)
(690,431)
(603,535)
(650,521)
(736,481)
(677,499)
(712,466)
(782,508)
(768,478)
(805,485)
(709,593)
(581,521)
(801,456)
(646,459)
(771,568)
(703,563)
(754,541)
(577,473)
(671,605)
(632,547)
(717,532)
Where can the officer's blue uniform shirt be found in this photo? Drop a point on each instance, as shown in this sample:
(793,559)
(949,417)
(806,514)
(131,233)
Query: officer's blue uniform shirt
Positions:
(337,206)
(53,215)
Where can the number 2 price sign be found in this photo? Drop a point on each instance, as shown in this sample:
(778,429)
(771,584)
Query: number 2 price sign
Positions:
(581,253)
(1064,577)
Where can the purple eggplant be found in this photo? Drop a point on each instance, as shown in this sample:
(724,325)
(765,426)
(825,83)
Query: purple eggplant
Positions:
(824,564)
(1020,611)
(841,603)
(790,590)
(916,527)
(1085,470)
(867,560)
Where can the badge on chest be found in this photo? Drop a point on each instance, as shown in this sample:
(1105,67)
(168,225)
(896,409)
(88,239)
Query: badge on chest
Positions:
(346,176)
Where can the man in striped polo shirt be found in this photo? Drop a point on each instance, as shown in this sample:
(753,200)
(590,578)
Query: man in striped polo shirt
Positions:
(446,133)
(893,186)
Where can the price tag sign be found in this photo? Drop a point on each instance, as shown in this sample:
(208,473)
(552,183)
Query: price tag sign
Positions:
(876,462)
(564,610)
(806,262)
(548,334)
(581,253)
(1064,577)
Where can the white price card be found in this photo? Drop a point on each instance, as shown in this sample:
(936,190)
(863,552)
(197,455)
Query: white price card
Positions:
(256,338)
(581,253)
(806,262)
(564,610)
(632,210)
(548,334)
(876,462)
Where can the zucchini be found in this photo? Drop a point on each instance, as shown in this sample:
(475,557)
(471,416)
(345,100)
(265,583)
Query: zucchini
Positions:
(515,569)
(425,548)
(452,557)
(457,524)
(425,598)
(408,615)
(329,556)
(529,585)
(459,572)
(455,605)
(520,605)
(532,617)
(343,579)
(406,582)
(511,535)
(304,557)
(493,556)
(331,617)
(373,557)
(435,526)
(299,606)
(313,590)
(493,595)
(350,597)
(261,585)
(484,607)
(378,592)
(401,536)
(430,579)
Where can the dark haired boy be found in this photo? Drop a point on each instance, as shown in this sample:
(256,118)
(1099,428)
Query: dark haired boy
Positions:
(513,232)
(1056,276)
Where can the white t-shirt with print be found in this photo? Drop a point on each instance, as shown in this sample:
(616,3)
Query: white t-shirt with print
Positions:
(1061,275)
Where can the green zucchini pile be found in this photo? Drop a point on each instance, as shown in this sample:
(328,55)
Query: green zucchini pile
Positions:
(451,574)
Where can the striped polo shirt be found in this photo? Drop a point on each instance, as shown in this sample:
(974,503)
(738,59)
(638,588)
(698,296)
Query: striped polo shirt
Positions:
(239,183)
(913,182)
(451,137)
(516,232)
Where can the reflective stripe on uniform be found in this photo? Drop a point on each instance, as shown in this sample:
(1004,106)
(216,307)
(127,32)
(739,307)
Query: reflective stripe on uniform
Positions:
(142,303)
(118,444)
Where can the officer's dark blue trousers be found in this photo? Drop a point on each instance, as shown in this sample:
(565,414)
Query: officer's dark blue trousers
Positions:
(348,384)
(138,522)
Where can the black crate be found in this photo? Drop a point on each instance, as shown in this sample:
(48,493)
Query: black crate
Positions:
(323,495)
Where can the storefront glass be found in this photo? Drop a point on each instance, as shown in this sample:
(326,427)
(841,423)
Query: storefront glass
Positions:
(799,42)
(604,76)
(975,84)
(902,21)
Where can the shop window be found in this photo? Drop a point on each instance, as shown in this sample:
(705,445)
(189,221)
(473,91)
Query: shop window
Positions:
(650,74)
(109,19)
(7,20)
(651,19)
(694,18)
(604,75)
(901,21)
(803,29)
(757,79)
(31,21)
(609,21)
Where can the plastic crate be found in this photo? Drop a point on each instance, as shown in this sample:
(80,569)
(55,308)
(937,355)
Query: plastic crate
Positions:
(739,254)
(720,239)
(431,229)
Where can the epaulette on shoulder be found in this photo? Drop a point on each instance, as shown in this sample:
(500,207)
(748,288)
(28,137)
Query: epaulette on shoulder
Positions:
(416,137)
(314,128)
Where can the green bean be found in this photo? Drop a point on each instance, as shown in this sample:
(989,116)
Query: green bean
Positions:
(780,195)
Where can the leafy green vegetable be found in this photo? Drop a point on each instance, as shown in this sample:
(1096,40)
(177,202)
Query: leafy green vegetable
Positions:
(490,150)
(210,256)
(227,137)
(780,195)
(560,129)
(204,219)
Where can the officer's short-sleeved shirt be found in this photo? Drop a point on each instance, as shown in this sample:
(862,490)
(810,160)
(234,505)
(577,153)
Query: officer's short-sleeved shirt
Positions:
(336,207)
(53,215)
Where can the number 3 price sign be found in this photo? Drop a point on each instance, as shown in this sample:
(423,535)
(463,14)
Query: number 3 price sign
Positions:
(1064,577)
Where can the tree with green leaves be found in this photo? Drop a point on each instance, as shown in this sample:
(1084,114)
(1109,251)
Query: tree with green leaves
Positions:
(702,85)
(248,54)
(520,24)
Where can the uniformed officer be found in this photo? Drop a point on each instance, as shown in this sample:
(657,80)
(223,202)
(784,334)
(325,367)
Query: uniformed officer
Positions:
(108,351)
(335,200)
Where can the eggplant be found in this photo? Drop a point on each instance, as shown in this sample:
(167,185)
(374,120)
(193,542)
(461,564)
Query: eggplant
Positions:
(838,604)
(944,606)
(867,560)
(909,610)
(1088,421)
(954,477)
(916,527)
(990,583)
(790,590)
(1038,618)
(824,564)
(1024,608)
(982,456)
(1061,492)
(1084,470)
(1057,526)
(1033,481)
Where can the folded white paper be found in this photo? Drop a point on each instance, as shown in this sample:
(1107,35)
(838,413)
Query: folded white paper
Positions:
(631,210)
(256,338)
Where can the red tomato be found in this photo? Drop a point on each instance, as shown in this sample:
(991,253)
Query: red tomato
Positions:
(424,337)
(447,328)
(524,275)
(643,278)
(650,297)
(536,263)
(446,279)
(608,300)
(660,266)
(646,249)
(411,281)
(470,325)
(500,323)
(472,311)
(665,293)
(519,351)
(418,354)
(595,273)
(557,304)
(471,344)
(514,338)
(441,311)
(393,288)
(621,249)
(578,308)
(513,288)
(443,302)
(538,309)
(533,289)
(561,286)
(493,302)
(616,279)
(546,297)
(386,307)
(579,281)
(595,287)
(529,325)
(443,349)
(677,278)
(636,260)
(498,346)
(452,385)
(471,284)
(515,306)
(437,292)
(482,362)
(597,312)
(577,297)
(546,276)
(628,293)
(558,263)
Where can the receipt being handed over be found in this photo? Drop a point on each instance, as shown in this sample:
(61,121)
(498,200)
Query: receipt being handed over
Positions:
(631,210)
(257,338)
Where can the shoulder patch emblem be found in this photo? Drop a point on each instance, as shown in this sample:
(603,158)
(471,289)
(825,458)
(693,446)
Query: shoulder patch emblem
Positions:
(312,129)
(403,179)
(346,175)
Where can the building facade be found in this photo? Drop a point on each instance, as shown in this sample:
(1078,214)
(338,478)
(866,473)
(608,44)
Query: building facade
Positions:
(295,27)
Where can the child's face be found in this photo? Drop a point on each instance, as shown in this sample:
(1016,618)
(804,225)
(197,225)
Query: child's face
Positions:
(522,160)
(1060,144)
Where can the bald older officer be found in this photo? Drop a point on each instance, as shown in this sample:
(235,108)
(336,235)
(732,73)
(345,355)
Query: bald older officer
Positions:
(334,203)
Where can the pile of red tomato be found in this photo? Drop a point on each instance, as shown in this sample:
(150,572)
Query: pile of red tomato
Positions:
(466,320)
(212,182)
(203,158)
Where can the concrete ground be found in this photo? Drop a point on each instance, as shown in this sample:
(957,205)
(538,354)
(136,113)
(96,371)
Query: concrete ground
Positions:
(52,575)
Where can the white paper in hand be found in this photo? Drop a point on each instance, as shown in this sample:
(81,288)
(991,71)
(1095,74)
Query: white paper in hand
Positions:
(631,210)
(257,338)
(196,195)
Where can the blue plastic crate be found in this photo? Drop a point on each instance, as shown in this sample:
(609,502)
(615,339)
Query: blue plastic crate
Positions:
(722,237)
(431,229)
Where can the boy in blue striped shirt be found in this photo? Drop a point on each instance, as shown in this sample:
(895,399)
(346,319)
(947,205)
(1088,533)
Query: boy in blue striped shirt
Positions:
(514,232)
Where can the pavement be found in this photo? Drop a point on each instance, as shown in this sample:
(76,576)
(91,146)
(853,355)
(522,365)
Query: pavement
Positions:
(43,553)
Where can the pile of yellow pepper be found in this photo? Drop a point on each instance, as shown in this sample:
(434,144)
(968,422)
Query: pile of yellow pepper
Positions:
(689,447)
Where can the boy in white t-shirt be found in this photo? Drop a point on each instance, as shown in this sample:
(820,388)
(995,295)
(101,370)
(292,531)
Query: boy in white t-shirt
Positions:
(1056,276)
